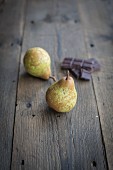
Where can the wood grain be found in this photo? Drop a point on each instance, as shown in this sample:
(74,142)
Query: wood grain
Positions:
(97,25)
(85,118)
(44,139)
(11,30)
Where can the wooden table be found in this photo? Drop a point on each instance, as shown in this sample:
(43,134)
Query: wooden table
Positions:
(32,136)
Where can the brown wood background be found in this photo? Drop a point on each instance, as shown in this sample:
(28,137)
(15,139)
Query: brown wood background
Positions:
(32,136)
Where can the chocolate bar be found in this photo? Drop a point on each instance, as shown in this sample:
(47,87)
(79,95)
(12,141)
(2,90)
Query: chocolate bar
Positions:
(89,64)
(81,68)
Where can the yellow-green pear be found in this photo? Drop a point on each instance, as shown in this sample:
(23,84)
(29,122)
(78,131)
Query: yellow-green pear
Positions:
(62,95)
(37,62)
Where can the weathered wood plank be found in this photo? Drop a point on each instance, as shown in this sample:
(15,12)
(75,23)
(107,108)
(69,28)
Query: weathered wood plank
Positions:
(44,139)
(85,118)
(97,24)
(108,4)
(11,30)
(32,149)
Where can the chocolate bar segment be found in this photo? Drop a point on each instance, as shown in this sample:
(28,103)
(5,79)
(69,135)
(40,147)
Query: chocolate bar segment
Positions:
(85,75)
(67,63)
(75,73)
(87,66)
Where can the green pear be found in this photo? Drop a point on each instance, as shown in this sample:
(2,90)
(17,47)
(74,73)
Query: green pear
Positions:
(62,95)
(37,62)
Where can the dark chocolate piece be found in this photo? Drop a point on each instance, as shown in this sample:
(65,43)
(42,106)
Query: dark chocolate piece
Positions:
(81,68)
(88,64)
(67,63)
(85,75)
(75,73)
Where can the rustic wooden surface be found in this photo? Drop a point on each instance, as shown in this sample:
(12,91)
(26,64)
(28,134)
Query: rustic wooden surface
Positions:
(11,31)
(33,136)
(99,32)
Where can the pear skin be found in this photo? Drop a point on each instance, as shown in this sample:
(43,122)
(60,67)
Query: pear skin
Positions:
(37,63)
(62,95)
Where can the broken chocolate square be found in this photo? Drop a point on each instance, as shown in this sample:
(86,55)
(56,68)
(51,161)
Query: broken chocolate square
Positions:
(85,75)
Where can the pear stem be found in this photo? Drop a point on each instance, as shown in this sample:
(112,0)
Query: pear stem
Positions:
(53,77)
(67,75)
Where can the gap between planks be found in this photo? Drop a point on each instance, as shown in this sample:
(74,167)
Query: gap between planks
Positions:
(23,28)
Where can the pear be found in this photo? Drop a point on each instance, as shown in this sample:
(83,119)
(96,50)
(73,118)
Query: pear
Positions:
(62,95)
(37,62)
